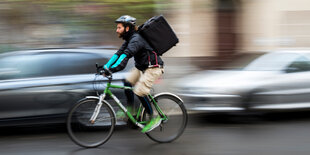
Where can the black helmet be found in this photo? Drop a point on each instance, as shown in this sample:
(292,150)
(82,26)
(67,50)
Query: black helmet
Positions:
(126,19)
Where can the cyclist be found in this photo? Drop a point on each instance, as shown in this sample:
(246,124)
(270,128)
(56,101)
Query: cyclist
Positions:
(148,66)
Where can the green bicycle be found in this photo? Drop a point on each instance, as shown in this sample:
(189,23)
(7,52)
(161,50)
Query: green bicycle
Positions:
(91,122)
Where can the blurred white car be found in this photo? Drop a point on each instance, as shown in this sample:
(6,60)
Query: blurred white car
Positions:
(277,80)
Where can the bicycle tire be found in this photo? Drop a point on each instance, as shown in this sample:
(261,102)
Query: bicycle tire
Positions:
(173,107)
(87,134)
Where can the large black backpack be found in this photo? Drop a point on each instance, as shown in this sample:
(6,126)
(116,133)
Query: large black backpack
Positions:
(158,33)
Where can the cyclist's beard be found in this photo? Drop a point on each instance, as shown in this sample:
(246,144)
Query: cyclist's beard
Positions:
(127,35)
(121,35)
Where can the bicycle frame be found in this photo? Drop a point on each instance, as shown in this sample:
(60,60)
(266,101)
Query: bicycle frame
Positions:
(107,91)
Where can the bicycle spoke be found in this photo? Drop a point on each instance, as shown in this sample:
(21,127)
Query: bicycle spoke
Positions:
(175,124)
(106,118)
(86,133)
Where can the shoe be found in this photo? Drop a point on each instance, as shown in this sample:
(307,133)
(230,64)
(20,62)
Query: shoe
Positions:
(155,122)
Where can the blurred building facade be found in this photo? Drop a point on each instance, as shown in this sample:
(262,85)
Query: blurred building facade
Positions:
(227,28)
(213,31)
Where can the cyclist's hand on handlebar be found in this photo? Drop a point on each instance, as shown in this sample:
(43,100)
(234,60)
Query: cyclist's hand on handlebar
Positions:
(102,70)
(105,72)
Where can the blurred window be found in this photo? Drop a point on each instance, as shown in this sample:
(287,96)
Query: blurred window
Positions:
(48,64)
(301,64)
(24,66)
(79,63)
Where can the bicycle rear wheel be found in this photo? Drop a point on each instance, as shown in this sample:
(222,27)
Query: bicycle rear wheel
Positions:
(87,134)
(170,129)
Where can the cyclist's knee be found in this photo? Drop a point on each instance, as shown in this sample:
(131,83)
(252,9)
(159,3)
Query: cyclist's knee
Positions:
(141,89)
(141,92)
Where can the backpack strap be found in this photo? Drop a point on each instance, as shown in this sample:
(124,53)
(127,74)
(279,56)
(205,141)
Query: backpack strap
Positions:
(149,59)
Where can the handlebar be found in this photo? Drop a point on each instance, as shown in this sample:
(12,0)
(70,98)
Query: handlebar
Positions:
(102,71)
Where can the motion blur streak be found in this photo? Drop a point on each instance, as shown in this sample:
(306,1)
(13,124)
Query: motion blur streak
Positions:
(234,56)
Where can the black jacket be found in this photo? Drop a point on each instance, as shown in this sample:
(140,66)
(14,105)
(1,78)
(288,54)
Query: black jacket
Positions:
(135,46)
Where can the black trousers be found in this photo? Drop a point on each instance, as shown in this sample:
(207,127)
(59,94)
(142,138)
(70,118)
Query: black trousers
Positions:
(144,99)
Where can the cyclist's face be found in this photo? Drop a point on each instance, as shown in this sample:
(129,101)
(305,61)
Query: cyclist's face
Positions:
(120,30)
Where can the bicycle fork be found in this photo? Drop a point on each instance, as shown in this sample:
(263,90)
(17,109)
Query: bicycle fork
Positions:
(97,109)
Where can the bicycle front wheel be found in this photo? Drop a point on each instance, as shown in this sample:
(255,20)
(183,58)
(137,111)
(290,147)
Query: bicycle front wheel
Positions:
(174,126)
(86,133)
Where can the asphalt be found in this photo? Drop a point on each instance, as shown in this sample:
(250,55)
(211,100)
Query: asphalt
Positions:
(273,134)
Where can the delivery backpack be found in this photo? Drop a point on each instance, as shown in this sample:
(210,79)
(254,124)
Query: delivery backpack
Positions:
(158,33)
